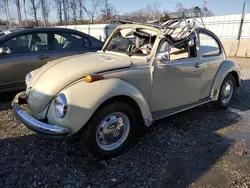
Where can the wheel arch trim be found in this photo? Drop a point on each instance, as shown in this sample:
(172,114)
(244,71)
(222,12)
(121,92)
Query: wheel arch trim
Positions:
(227,67)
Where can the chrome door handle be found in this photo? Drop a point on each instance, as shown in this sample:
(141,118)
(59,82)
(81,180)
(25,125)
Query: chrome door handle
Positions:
(198,65)
(42,57)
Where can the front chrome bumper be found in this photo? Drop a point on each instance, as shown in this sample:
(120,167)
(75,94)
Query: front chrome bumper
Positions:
(34,124)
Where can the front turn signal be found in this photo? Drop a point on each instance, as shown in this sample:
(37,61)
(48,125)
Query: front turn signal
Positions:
(93,77)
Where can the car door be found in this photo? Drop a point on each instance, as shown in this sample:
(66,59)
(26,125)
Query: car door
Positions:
(68,43)
(25,52)
(176,83)
(212,56)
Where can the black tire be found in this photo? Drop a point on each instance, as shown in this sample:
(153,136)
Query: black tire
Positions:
(90,134)
(220,103)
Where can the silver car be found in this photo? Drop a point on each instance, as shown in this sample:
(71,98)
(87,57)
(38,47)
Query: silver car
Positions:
(25,49)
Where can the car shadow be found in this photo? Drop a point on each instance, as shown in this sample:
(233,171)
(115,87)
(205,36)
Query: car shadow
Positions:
(174,152)
(5,100)
(241,95)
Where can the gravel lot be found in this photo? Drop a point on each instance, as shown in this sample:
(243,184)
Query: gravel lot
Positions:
(201,147)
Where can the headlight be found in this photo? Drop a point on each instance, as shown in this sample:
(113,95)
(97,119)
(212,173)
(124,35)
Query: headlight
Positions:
(28,78)
(61,105)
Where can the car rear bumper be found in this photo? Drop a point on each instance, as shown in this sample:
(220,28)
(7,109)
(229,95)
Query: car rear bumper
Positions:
(34,124)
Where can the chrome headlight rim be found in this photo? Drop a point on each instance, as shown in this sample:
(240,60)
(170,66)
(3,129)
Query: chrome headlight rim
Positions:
(61,105)
(28,78)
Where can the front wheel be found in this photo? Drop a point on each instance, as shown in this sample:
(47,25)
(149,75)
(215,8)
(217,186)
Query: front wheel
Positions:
(110,130)
(227,91)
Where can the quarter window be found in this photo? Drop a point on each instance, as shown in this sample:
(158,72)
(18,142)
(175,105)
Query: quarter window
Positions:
(208,45)
(65,40)
(33,42)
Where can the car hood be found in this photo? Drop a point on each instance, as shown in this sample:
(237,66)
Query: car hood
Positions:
(50,79)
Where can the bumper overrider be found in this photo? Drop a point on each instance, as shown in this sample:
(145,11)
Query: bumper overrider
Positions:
(34,124)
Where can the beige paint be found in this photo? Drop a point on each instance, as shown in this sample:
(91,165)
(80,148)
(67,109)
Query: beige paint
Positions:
(182,82)
(209,71)
(176,83)
(84,98)
(153,85)
(142,83)
(53,77)
(226,67)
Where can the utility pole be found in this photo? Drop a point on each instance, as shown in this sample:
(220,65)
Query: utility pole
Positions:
(242,21)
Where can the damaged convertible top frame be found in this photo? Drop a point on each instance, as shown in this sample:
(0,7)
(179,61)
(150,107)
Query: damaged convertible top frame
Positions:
(178,27)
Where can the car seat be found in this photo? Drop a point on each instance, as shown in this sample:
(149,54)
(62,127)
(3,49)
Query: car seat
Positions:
(34,43)
(57,46)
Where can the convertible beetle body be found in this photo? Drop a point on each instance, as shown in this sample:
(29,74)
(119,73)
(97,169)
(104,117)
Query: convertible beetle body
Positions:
(104,94)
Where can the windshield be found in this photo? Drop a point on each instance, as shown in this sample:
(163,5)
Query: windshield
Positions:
(132,41)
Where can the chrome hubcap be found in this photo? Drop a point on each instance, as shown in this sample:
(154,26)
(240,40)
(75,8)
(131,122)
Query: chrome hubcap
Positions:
(227,91)
(113,131)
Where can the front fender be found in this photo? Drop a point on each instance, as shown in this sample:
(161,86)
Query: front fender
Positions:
(85,98)
(226,67)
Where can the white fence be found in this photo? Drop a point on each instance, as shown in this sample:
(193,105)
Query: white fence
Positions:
(99,31)
(227,27)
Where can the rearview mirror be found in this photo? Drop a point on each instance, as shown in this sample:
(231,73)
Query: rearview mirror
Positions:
(3,50)
(164,56)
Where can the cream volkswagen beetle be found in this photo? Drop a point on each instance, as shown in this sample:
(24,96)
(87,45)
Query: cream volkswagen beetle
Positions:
(143,73)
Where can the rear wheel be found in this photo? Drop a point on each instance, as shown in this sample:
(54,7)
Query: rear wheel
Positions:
(227,91)
(110,130)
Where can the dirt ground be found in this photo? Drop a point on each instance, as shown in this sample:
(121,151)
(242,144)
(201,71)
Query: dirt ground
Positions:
(201,147)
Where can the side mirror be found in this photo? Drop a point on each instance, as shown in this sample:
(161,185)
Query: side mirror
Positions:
(3,50)
(164,56)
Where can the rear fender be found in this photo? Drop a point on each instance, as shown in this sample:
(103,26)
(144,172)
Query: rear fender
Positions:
(226,68)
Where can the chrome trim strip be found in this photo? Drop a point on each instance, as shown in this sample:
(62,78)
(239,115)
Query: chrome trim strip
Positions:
(165,113)
(33,123)
(147,122)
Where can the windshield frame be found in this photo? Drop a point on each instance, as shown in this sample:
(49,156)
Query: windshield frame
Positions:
(132,27)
